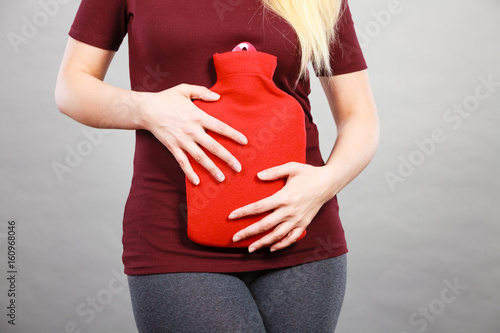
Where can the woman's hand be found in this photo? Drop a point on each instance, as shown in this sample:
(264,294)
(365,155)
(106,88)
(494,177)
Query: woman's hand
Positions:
(181,126)
(307,187)
(170,114)
(293,207)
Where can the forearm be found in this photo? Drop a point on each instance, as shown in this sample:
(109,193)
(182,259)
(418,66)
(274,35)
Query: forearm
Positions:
(353,108)
(95,103)
(355,146)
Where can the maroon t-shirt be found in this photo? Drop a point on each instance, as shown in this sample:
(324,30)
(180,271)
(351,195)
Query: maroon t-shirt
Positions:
(172,42)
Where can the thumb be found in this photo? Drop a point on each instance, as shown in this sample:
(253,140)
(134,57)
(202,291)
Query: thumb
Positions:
(198,92)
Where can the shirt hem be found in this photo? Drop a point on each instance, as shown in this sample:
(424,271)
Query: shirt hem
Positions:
(94,40)
(237,267)
(350,69)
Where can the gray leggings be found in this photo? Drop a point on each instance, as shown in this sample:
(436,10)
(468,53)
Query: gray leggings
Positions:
(303,298)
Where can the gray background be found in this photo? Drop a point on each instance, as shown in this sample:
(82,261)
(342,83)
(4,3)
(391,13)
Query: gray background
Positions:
(409,240)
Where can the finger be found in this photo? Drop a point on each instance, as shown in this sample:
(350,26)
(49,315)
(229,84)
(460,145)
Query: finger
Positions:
(265,224)
(288,240)
(257,207)
(219,150)
(279,233)
(280,171)
(201,158)
(197,92)
(186,167)
(215,125)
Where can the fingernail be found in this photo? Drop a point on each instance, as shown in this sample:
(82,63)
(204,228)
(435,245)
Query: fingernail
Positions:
(273,250)
(214,95)
(236,239)
(243,140)
(237,167)
(196,180)
(262,174)
(252,249)
(220,177)
(233,215)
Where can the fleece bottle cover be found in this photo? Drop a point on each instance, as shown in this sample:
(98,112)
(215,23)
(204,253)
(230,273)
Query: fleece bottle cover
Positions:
(273,122)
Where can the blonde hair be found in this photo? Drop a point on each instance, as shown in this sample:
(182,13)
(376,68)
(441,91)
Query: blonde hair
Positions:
(314,23)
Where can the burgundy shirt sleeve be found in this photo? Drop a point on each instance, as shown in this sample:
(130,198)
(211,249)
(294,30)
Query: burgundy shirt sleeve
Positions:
(347,56)
(101,23)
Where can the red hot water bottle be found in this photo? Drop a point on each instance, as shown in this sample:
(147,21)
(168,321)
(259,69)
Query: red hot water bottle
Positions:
(273,122)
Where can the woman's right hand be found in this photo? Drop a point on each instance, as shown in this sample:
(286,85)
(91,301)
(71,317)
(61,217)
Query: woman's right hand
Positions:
(173,118)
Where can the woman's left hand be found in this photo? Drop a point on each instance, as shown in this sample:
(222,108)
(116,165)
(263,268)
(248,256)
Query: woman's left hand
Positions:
(308,187)
(293,207)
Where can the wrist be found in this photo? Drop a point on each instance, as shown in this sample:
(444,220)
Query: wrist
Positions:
(331,181)
(139,105)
